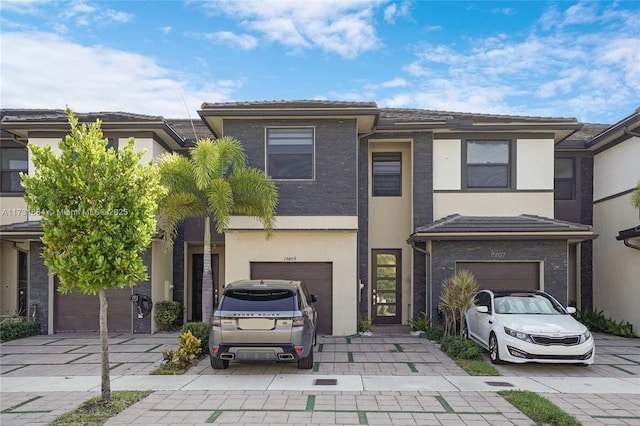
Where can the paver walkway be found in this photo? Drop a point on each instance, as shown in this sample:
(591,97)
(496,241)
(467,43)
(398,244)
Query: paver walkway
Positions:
(391,380)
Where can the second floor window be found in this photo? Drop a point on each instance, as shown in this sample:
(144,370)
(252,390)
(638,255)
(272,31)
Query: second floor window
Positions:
(563,179)
(488,164)
(386,178)
(290,153)
(13,160)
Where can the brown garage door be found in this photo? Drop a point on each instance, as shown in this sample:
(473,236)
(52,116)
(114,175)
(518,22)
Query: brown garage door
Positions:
(317,277)
(508,275)
(77,312)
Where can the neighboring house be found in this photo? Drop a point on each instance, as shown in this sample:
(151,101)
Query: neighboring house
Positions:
(376,208)
(616,253)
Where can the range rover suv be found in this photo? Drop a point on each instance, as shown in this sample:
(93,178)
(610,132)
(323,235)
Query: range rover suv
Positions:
(263,320)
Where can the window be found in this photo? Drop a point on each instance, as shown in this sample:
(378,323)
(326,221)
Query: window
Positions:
(290,153)
(12,162)
(488,164)
(564,177)
(387,174)
(112,143)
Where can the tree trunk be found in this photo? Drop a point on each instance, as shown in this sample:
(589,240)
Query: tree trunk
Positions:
(207,274)
(104,346)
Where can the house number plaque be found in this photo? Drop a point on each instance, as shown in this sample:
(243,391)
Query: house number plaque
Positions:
(498,254)
(289,258)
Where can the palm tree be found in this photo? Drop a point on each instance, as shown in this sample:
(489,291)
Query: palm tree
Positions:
(214,183)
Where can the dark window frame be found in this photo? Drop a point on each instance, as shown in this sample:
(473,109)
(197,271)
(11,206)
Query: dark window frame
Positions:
(510,165)
(5,173)
(571,181)
(272,152)
(395,191)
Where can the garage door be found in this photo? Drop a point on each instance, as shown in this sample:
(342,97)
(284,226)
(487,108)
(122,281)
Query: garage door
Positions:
(507,275)
(77,312)
(317,277)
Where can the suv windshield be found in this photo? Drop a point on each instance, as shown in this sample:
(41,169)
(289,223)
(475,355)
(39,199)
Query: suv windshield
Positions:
(258,300)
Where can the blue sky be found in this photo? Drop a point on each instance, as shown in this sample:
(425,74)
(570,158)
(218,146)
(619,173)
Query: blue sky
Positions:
(562,58)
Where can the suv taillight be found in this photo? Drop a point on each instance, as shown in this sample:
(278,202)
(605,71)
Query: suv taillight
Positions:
(297,321)
(215,322)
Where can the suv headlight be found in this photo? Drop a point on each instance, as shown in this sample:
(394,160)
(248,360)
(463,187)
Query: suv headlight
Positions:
(517,334)
(585,336)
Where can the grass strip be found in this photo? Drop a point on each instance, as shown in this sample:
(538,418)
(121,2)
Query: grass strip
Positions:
(94,411)
(398,347)
(622,369)
(78,359)
(214,416)
(311,403)
(350,356)
(153,348)
(320,347)
(316,367)
(476,367)
(412,367)
(445,404)
(22,404)
(538,408)
(362,418)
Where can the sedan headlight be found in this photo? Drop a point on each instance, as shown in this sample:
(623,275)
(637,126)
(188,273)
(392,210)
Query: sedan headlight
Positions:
(585,336)
(517,334)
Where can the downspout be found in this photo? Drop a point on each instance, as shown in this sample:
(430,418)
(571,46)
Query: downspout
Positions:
(626,240)
(628,244)
(631,133)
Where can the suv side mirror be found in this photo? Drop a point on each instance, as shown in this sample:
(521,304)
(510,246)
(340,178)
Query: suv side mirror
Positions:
(482,309)
(312,298)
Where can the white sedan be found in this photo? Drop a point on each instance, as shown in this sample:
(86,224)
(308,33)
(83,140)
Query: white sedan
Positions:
(528,326)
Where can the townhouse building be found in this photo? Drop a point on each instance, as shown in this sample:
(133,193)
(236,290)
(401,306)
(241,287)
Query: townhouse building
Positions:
(376,208)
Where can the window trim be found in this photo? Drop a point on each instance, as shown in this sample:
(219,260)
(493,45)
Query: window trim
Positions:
(373,154)
(3,170)
(511,166)
(573,179)
(313,153)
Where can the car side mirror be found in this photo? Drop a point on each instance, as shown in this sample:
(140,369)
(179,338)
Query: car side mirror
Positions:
(482,309)
(312,298)
(571,310)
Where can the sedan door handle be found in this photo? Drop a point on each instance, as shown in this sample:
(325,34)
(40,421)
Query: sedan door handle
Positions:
(490,322)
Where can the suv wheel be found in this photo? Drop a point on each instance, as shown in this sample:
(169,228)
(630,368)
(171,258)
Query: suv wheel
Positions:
(307,362)
(217,363)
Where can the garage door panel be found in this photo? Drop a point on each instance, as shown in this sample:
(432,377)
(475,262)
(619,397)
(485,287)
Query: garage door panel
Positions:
(317,277)
(78,312)
(504,275)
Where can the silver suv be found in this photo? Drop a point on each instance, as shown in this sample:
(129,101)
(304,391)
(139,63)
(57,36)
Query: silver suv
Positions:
(263,320)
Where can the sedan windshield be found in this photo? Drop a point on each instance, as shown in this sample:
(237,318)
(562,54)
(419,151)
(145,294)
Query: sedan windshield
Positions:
(526,304)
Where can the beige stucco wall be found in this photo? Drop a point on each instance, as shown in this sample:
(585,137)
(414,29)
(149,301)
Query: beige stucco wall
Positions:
(617,169)
(390,220)
(534,164)
(13,210)
(492,203)
(8,278)
(161,276)
(337,247)
(616,268)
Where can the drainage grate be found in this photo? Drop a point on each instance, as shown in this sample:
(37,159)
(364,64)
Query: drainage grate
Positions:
(504,384)
(325,382)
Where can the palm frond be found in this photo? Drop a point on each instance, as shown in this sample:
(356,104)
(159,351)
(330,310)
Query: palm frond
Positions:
(220,203)
(174,208)
(175,173)
(255,195)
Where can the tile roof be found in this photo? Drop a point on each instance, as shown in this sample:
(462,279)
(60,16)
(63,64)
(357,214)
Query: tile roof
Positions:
(408,114)
(184,127)
(61,115)
(491,224)
(303,103)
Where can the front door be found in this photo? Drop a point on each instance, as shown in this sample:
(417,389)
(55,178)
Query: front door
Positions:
(386,287)
(196,284)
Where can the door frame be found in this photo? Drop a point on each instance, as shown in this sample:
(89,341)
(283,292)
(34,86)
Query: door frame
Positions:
(383,319)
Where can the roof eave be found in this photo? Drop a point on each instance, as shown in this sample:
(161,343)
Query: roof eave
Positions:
(479,236)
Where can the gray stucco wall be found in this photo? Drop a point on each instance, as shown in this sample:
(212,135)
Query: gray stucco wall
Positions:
(553,253)
(334,189)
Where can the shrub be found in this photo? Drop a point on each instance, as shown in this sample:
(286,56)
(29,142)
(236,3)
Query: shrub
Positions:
(17,330)
(596,321)
(166,313)
(420,323)
(182,357)
(199,330)
(459,348)
(364,324)
(434,333)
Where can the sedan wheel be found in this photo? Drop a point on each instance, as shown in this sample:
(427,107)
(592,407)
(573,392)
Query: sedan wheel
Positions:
(494,352)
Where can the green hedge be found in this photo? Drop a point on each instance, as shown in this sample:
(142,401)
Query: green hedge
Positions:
(459,348)
(17,330)
(166,313)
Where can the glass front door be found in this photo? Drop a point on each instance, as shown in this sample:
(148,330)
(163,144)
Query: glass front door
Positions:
(386,287)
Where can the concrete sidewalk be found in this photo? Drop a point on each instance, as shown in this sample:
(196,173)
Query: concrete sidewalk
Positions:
(391,380)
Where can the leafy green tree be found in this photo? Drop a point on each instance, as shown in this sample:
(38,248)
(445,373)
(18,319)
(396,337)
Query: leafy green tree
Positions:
(214,183)
(635,196)
(98,214)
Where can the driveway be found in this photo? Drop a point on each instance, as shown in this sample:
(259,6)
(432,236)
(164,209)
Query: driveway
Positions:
(381,379)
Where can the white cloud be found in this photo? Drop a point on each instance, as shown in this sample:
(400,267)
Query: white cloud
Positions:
(345,28)
(166,30)
(396,82)
(244,41)
(95,78)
